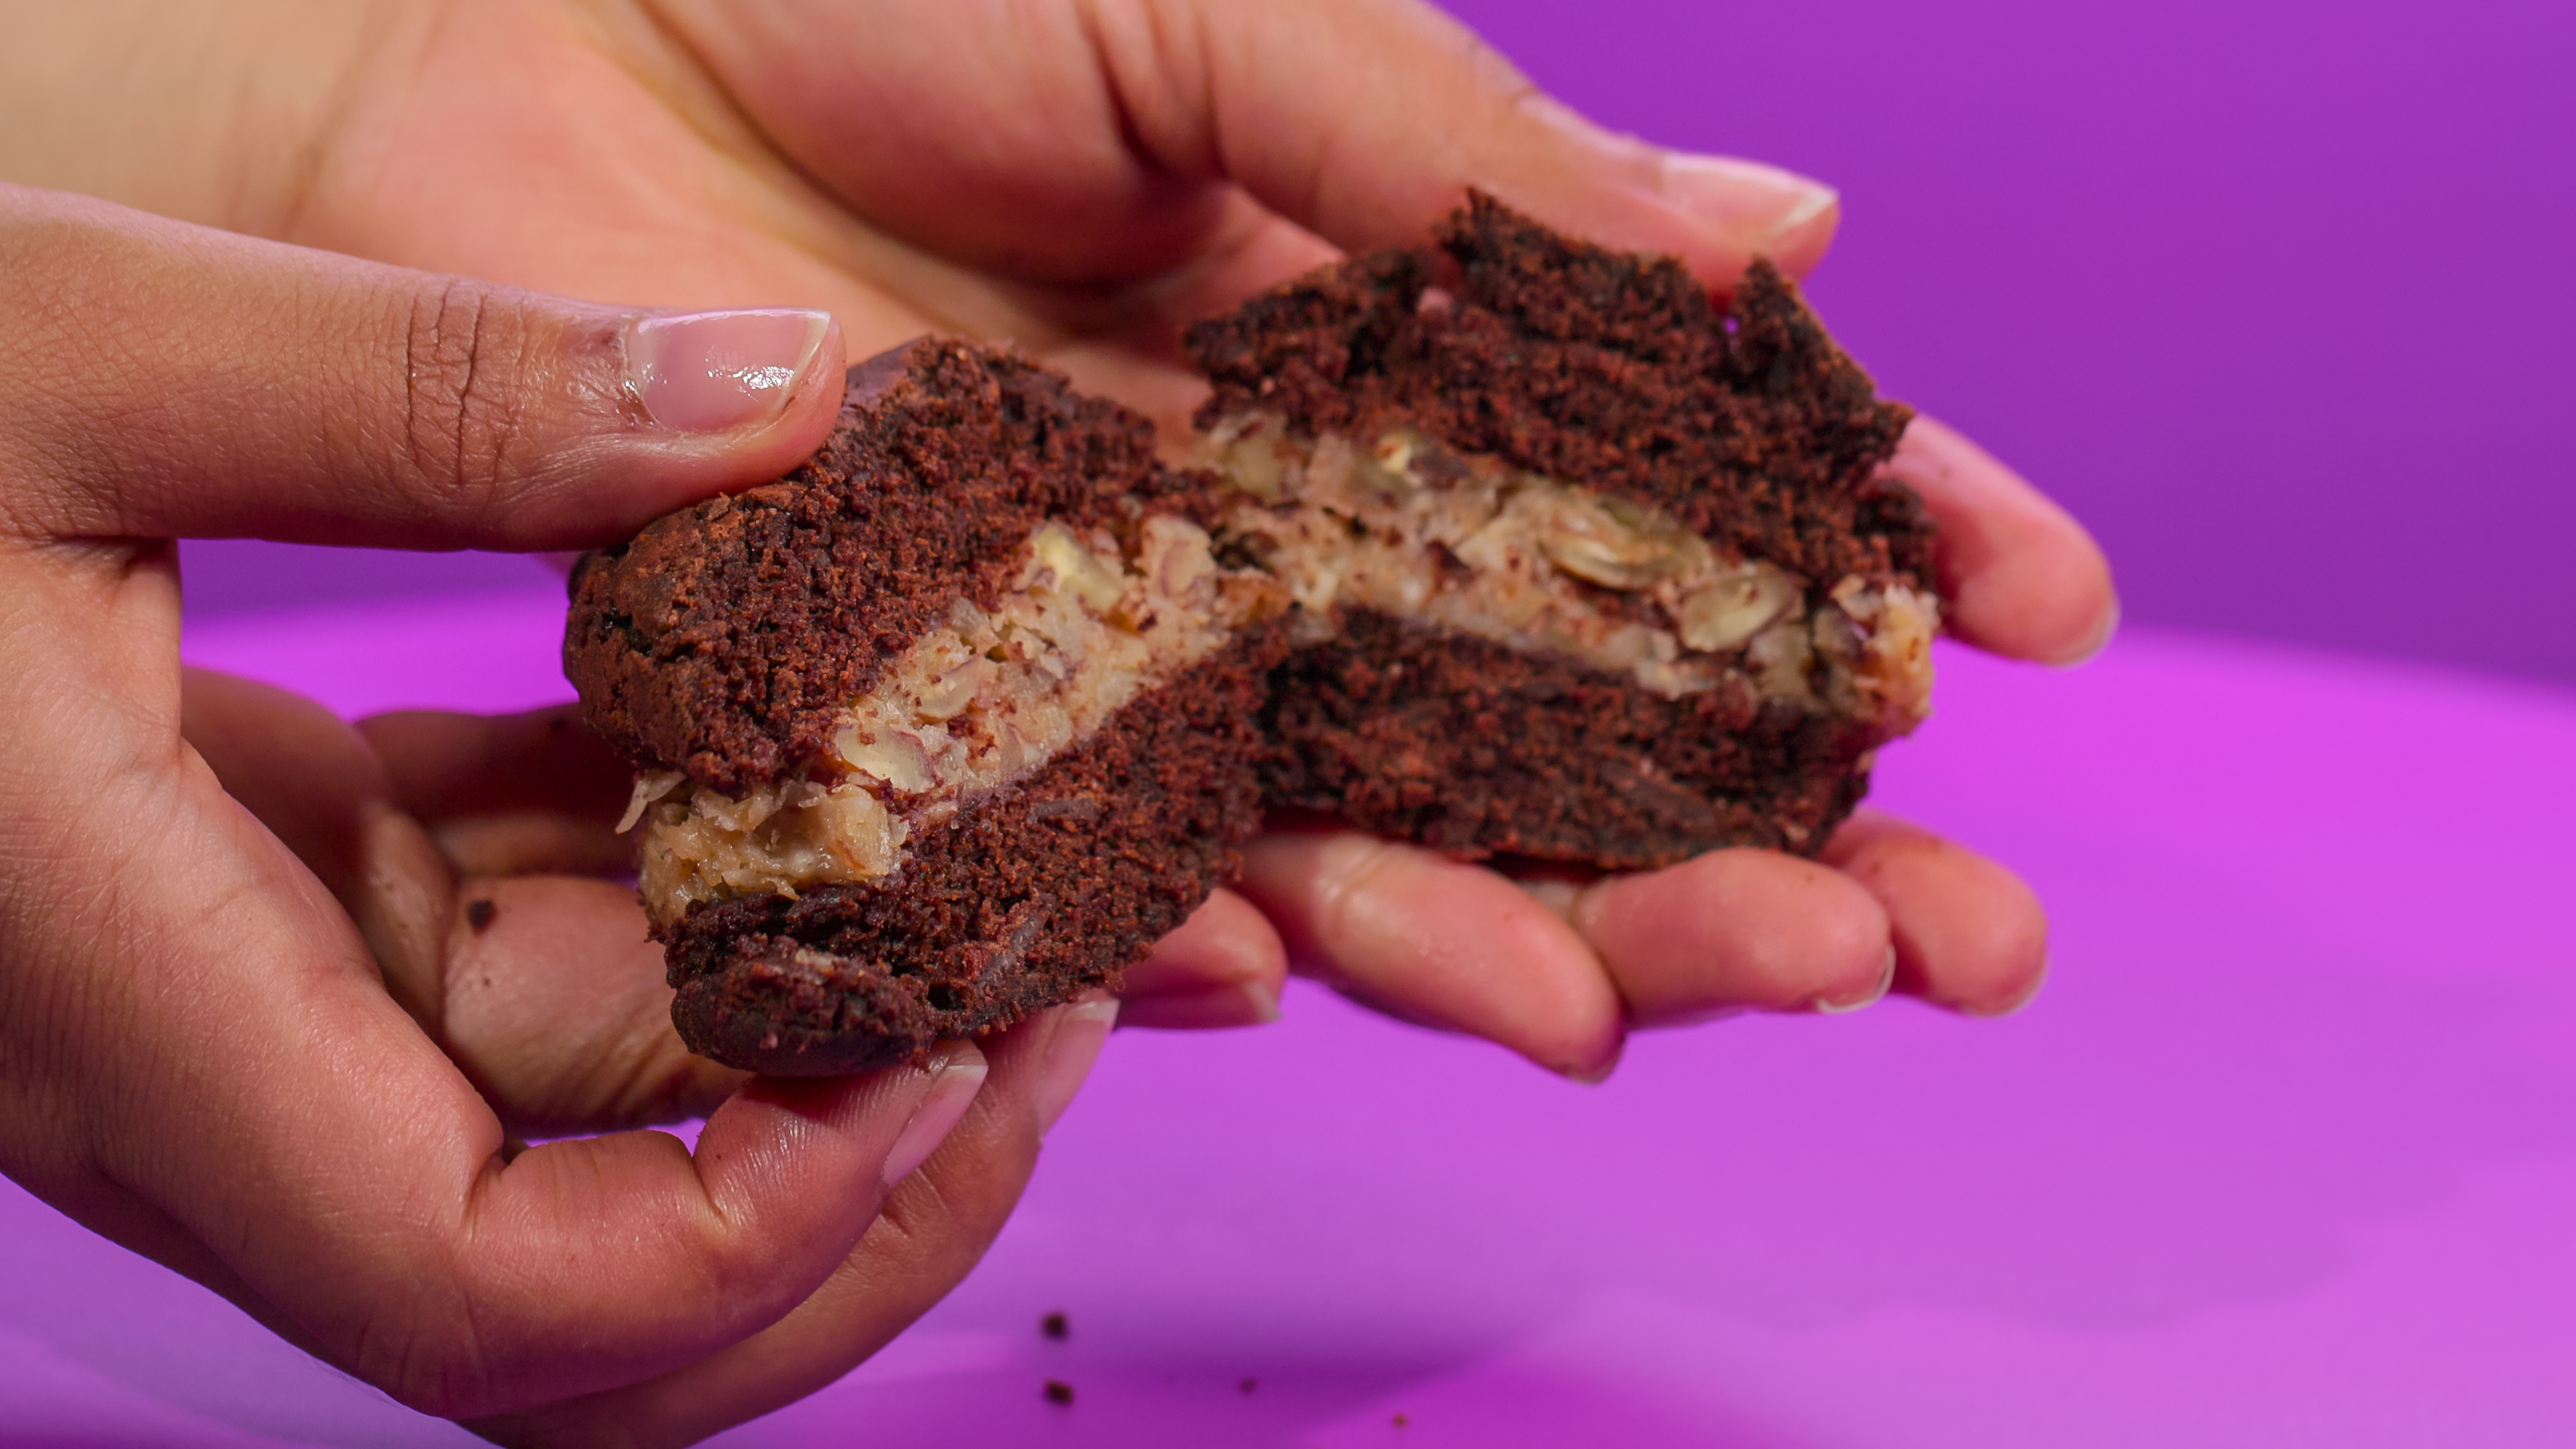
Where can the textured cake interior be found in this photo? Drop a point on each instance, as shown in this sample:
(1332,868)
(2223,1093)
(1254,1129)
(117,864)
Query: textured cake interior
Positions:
(1396,522)
(976,703)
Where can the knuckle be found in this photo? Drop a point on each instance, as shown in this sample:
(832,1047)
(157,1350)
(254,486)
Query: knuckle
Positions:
(467,370)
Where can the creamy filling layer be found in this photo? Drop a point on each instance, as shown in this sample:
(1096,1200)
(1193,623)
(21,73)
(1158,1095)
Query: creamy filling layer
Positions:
(971,706)
(1402,524)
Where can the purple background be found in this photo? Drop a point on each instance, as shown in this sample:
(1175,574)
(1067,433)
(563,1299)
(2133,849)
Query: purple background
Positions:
(2274,293)
(2281,1157)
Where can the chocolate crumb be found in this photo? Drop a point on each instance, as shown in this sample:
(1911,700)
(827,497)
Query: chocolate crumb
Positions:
(480,914)
(1248,1385)
(1055,1325)
(1059,1392)
(1399,1421)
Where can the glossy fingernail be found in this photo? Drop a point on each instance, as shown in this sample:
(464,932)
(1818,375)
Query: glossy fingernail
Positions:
(1770,209)
(711,372)
(1079,1034)
(955,1078)
(1886,979)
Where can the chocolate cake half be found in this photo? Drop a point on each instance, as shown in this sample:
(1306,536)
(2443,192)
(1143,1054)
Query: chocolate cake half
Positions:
(944,727)
(1587,569)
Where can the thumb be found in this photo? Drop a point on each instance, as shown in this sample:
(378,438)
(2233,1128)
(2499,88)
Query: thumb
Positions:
(1099,140)
(166,380)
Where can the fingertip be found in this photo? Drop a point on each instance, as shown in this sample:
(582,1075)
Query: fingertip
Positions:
(1222,968)
(2022,578)
(1431,940)
(1736,929)
(1970,934)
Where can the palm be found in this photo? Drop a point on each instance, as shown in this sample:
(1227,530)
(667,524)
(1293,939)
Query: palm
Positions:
(585,151)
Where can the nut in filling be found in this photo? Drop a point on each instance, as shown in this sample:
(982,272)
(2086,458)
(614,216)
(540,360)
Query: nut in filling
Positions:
(1411,528)
(971,706)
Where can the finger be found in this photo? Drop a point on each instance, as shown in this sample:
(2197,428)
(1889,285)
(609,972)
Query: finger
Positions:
(1968,933)
(1223,967)
(543,990)
(1097,141)
(168,380)
(414,1249)
(2022,577)
(1734,930)
(934,1228)
(1439,942)
(509,794)
(555,1005)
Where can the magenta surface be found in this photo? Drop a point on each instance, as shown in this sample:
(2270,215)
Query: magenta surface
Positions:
(2284,1155)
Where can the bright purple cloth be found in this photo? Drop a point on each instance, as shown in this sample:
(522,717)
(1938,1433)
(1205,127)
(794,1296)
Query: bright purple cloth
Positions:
(2284,1155)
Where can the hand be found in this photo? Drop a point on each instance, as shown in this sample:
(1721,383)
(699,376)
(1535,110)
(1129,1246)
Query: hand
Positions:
(1083,178)
(280,999)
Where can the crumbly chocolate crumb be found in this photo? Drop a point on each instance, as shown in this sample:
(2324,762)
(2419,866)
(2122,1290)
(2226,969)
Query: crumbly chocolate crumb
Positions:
(480,914)
(1055,1325)
(1602,369)
(725,638)
(1059,1392)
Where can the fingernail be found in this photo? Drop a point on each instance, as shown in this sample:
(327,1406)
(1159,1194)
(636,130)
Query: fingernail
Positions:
(2020,1003)
(1078,1037)
(709,372)
(1207,1008)
(1886,979)
(1599,1072)
(2101,640)
(1771,210)
(955,1078)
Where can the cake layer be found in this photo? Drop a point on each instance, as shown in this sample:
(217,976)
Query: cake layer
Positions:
(1401,524)
(968,708)
(1478,749)
(726,642)
(1023,897)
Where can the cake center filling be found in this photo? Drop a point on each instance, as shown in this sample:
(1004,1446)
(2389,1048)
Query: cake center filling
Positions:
(971,706)
(1400,523)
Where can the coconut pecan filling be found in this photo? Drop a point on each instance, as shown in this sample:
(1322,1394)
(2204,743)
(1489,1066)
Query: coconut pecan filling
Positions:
(968,708)
(1406,526)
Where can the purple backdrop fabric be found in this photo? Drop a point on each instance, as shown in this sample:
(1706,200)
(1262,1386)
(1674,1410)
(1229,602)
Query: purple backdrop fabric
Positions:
(2282,1156)
(2274,293)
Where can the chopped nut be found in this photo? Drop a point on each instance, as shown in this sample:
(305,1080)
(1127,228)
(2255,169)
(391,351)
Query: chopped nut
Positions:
(1725,614)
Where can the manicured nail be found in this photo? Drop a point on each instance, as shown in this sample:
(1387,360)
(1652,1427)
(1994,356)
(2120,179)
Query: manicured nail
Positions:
(2101,640)
(1770,209)
(709,372)
(1886,979)
(955,1078)
(1078,1037)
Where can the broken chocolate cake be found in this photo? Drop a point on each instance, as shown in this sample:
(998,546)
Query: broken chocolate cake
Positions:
(946,726)
(1511,546)
(1587,569)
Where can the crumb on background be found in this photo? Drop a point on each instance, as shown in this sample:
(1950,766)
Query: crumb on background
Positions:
(1059,1392)
(1056,1325)
(479,915)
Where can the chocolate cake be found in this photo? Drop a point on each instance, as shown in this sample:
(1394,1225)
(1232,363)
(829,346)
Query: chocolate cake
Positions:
(1508,545)
(1587,569)
(946,726)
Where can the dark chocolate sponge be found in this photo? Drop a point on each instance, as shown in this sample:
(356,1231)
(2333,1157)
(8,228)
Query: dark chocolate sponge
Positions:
(1616,374)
